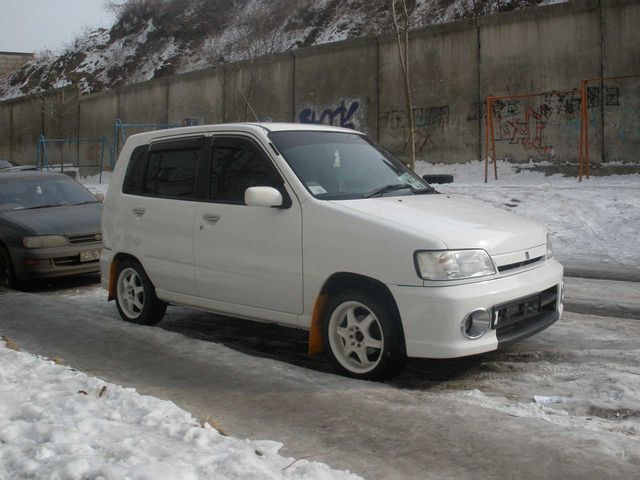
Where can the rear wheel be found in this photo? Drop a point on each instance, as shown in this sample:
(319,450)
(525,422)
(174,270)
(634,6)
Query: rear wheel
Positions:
(362,336)
(136,296)
(7,277)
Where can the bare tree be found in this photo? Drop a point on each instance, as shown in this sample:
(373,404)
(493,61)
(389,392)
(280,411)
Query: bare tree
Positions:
(256,37)
(55,105)
(400,15)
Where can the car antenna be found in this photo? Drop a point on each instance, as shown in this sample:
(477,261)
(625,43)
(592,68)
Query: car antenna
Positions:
(250,107)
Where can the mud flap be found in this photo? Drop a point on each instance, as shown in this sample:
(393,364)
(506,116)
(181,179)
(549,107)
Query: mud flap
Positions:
(113,271)
(315,332)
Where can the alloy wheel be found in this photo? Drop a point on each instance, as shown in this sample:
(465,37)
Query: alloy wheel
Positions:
(356,338)
(131,294)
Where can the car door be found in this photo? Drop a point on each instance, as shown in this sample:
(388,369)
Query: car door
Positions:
(246,255)
(162,210)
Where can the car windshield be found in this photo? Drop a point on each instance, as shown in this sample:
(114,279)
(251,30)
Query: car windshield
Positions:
(5,164)
(20,193)
(335,165)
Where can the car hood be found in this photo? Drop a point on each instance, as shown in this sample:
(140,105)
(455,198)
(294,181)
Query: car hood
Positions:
(64,220)
(457,221)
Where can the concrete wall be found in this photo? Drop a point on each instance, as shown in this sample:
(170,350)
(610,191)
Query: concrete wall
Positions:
(196,98)
(337,84)
(96,117)
(5,131)
(11,61)
(547,51)
(444,76)
(358,84)
(26,127)
(267,84)
(60,121)
(621,97)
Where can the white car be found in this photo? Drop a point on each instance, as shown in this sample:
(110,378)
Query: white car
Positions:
(318,228)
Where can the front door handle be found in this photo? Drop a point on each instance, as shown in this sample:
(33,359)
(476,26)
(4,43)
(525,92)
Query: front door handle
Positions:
(139,211)
(211,217)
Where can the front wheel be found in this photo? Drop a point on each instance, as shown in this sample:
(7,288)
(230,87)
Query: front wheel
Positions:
(362,336)
(136,296)
(7,277)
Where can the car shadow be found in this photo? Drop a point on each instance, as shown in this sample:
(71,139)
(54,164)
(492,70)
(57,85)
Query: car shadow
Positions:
(44,285)
(289,345)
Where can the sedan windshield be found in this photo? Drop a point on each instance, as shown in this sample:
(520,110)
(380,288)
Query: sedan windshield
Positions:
(334,165)
(20,193)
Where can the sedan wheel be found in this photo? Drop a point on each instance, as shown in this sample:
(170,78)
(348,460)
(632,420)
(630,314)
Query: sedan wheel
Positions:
(6,268)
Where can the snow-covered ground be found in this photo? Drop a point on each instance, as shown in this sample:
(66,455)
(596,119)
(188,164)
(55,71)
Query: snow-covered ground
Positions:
(595,222)
(58,423)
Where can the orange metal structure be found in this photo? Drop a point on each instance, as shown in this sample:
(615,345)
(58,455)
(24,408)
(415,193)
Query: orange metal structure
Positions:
(489,132)
(583,164)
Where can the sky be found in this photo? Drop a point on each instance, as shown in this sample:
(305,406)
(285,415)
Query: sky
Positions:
(36,25)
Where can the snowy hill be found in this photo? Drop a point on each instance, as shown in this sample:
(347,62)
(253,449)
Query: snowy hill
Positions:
(155,38)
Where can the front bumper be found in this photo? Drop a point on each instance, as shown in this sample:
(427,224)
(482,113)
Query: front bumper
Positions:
(432,316)
(54,262)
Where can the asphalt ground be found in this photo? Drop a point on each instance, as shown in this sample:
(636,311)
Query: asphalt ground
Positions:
(467,418)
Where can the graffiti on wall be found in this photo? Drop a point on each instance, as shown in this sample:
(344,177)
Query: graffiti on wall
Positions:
(523,122)
(348,113)
(527,130)
(426,121)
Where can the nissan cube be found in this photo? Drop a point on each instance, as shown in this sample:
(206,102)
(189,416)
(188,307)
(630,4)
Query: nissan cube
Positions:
(319,228)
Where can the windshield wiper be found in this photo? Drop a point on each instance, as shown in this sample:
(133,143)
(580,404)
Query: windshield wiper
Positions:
(387,188)
(44,206)
(85,203)
(425,190)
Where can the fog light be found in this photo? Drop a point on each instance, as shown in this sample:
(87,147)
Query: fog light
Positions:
(476,324)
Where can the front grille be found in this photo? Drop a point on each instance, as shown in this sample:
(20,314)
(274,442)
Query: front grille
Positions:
(86,238)
(525,316)
(66,261)
(512,266)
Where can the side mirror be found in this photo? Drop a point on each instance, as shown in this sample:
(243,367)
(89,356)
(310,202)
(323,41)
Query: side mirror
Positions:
(262,197)
(438,178)
(100,197)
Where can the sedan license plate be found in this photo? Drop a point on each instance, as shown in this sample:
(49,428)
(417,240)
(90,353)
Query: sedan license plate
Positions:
(90,256)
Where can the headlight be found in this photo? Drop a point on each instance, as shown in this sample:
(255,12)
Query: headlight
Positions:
(549,248)
(44,242)
(453,264)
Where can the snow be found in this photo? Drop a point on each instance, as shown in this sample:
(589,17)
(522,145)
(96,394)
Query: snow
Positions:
(58,423)
(593,221)
(94,185)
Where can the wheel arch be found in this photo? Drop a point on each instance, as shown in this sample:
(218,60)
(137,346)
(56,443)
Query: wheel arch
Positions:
(340,281)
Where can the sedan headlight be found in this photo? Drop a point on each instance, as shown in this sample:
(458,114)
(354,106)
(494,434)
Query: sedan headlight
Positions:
(453,264)
(44,241)
(549,248)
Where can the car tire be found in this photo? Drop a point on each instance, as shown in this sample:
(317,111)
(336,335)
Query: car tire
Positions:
(136,298)
(362,335)
(7,275)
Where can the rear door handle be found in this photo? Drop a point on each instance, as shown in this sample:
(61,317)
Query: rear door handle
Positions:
(139,211)
(213,218)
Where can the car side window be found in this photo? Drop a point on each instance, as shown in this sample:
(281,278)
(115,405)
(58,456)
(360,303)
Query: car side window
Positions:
(236,164)
(172,173)
(135,171)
